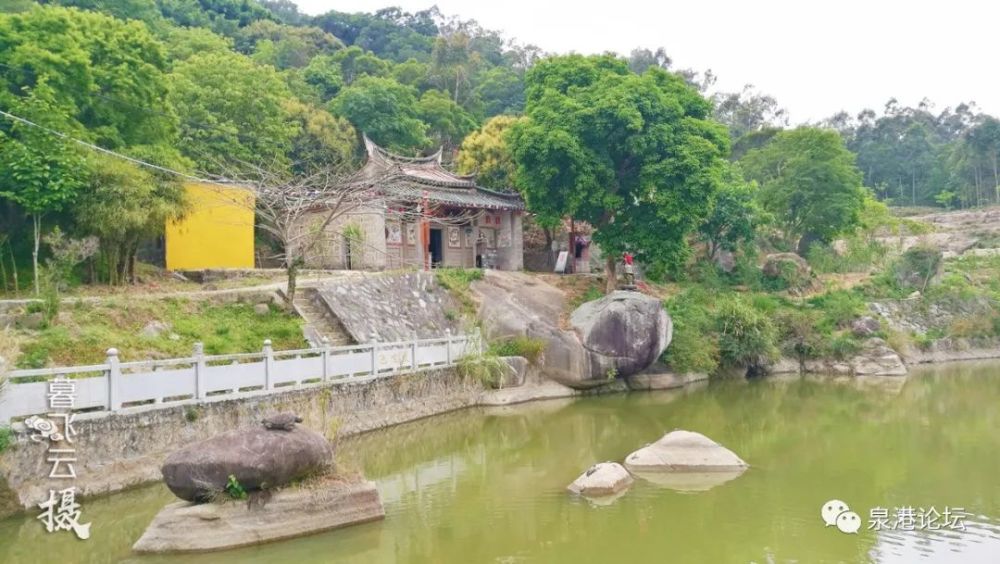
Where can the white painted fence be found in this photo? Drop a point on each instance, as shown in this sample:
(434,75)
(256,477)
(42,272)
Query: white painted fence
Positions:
(115,385)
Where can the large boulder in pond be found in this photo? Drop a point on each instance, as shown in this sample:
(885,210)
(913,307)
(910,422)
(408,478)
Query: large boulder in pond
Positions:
(623,333)
(258,457)
(601,479)
(684,451)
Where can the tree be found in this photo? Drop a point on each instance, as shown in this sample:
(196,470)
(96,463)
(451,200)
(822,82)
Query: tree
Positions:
(123,206)
(447,123)
(42,172)
(486,154)
(384,110)
(748,111)
(295,210)
(810,183)
(735,214)
(233,109)
(635,156)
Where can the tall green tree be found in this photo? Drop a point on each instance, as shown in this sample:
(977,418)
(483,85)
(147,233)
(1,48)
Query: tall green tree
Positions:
(810,183)
(42,173)
(735,216)
(385,110)
(447,122)
(636,156)
(234,110)
(486,153)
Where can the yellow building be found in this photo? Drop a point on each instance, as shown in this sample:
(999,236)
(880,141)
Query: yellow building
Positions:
(217,231)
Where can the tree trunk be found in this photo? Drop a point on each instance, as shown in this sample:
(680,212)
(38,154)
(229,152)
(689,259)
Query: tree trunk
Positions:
(37,222)
(571,258)
(292,271)
(13,266)
(610,273)
(549,251)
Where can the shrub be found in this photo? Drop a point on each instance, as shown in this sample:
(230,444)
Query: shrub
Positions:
(747,337)
(843,346)
(838,308)
(487,369)
(694,347)
(6,438)
(916,267)
(528,347)
(980,325)
(235,489)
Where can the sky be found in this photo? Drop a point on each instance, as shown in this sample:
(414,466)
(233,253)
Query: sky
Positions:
(816,58)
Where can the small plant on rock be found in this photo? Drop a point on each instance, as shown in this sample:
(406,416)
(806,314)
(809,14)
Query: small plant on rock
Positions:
(235,489)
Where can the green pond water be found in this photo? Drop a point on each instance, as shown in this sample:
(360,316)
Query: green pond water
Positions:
(488,485)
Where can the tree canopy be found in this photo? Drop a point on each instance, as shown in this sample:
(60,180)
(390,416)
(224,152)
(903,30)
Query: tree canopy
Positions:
(636,156)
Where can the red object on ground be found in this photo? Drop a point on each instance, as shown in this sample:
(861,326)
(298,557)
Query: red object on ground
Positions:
(628,258)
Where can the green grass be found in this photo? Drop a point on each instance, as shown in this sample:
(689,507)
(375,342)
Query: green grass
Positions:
(527,347)
(457,282)
(84,332)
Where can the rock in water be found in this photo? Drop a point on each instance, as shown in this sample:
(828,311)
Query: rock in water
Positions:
(603,478)
(684,451)
(258,458)
(623,332)
(293,512)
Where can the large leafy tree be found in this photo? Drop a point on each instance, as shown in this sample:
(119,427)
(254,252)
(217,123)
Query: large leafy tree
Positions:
(810,183)
(636,156)
(383,109)
(234,110)
(735,216)
(447,123)
(42,173)
(486,154)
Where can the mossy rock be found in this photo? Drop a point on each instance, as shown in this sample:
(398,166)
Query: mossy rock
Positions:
(789,270)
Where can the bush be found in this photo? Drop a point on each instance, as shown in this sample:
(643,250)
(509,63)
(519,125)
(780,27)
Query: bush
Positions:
(527,347)
(838,308)
(747,336)
(457,281)
(843,346)
(6,438)
(916,267)
(487,369)
(694,347)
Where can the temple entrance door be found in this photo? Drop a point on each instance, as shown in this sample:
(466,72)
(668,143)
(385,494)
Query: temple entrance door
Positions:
(436,248)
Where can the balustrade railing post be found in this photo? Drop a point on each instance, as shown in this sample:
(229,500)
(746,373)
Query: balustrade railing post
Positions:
(374,353)
(413,353)
(268,365)
(447,356)
(200,372)
(114,380)
(326,357)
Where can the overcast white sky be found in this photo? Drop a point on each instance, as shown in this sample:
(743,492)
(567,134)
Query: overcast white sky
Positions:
(816,58)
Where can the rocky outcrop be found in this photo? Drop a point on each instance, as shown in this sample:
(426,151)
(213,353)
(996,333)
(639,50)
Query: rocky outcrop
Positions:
(623,332)
(601,479)
(292,512)
(684,451)
(517,372)
(661,377)
(876,358)
(618,335)
(392,307)
(865,326)
(258,458)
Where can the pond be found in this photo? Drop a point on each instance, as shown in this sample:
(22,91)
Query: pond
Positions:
(488,485)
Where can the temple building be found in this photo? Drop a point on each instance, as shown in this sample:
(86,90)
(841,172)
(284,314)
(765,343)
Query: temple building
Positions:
(423,215)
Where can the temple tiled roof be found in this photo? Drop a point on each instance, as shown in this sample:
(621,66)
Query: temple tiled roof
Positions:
(411,178)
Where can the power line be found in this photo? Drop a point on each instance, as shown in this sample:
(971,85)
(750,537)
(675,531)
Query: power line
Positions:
(109,152)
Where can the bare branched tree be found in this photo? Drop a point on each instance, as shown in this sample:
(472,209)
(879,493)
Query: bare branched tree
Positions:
(296,210)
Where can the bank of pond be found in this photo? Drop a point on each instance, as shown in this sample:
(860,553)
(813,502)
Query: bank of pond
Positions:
(489,484)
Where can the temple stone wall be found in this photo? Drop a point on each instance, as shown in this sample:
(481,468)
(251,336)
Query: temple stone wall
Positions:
(331,251)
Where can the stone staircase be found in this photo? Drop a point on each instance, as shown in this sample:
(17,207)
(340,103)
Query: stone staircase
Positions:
(320,321)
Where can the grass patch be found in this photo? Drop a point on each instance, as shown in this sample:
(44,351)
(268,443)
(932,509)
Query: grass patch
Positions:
(457,281)
(84,332)
(527,347)
(6,438)
(487,369)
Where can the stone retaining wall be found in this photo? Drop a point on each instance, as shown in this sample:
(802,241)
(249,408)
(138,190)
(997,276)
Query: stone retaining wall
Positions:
(126,449)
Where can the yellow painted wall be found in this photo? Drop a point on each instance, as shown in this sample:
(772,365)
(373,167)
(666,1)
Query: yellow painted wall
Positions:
(217,231)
